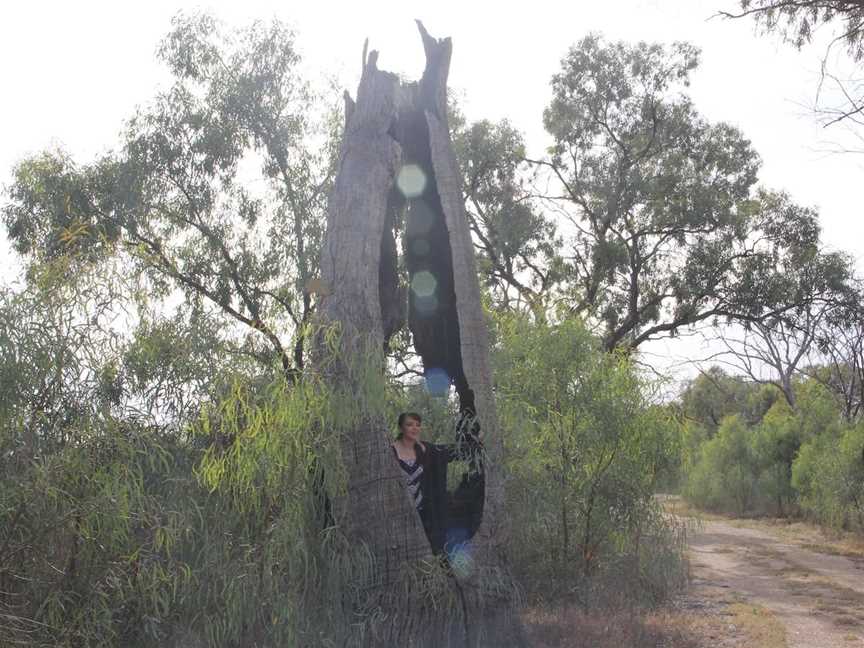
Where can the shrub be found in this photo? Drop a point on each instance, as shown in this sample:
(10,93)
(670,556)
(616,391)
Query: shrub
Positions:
(724,476)
(583,451)
(131,537)
(829,474)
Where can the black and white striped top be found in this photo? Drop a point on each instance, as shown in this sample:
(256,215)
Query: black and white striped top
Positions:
(413,472)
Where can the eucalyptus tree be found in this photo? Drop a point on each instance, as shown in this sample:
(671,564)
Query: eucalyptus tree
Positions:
(666,228)
(715,394)
(797,22)
(216,192)
(517,242)
(58,366)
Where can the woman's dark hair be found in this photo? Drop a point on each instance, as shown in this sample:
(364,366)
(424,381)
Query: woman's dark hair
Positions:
(404,416)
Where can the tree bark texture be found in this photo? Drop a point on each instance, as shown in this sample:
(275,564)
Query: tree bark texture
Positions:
(397,158)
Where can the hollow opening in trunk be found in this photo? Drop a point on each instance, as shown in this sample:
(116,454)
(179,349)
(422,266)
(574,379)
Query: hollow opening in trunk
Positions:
(433,318)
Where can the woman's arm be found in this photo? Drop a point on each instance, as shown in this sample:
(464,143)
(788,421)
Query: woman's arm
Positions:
(465,450)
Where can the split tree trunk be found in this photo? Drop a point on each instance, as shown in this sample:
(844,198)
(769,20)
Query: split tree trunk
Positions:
(392,125)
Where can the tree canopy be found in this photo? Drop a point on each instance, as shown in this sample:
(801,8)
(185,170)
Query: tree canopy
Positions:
(665,226)
(217,191)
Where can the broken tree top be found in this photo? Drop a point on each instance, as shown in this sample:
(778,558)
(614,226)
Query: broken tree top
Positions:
(398,173)
(434,80)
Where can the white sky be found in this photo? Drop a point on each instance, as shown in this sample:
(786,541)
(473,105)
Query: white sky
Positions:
(73,71)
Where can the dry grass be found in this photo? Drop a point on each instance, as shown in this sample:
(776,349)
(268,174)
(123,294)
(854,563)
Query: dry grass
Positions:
(704,620)
(761,626)
(812,537)
(737,625)
(846,544)
(677,505)
(572,628)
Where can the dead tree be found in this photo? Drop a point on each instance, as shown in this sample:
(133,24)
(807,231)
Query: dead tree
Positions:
(397,160)
(838,361)
(774,352)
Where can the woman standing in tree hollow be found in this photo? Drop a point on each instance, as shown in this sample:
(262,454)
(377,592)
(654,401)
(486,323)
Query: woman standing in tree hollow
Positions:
(425,467)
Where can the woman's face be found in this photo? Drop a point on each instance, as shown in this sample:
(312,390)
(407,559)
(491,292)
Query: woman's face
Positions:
(411,430)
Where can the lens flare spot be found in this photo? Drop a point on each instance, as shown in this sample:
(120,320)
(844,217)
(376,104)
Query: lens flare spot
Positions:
(426,306)
(424,284)
(462,562)
(437,381)
(411,180)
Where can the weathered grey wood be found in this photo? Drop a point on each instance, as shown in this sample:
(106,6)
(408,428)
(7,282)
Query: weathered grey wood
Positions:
(379,510)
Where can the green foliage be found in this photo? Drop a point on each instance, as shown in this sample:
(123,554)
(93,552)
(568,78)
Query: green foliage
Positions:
(780,463)
(52,210)
(58,357)
(519,249)
(116,530)
(90,542)
(725,474)
(179,201)
(745,468)
(171,364)
(775,444)
(130,537)
(583,451)
(829,475)
(668,227)
(714,395)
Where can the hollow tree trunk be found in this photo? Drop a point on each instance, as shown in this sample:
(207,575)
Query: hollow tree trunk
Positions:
(399,130)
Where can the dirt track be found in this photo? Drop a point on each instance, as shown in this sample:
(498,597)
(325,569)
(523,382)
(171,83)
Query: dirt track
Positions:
(818,597)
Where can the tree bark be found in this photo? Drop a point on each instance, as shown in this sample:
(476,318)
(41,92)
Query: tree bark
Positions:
(392,126)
